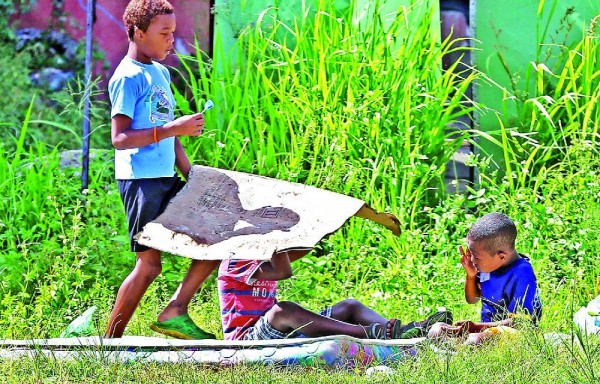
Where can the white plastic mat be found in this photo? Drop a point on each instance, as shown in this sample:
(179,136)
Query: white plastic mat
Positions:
(332,351)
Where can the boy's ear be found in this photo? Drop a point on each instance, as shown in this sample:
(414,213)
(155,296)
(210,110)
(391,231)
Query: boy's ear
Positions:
(502,255)
(138,33)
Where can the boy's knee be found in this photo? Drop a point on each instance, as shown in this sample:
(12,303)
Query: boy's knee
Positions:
(349,304)
(282,316)
(352,302)
(285,306)
(148,264)
(281,310)
(150,271)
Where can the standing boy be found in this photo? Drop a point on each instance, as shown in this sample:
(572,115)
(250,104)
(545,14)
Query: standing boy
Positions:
(147,148)
(500,276)
(250,310)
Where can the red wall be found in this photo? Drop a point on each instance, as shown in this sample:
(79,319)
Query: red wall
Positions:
(193,18)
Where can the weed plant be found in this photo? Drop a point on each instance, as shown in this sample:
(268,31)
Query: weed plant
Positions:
(354,104)
(325,113)
(561,109)
(55,118)
(530,359)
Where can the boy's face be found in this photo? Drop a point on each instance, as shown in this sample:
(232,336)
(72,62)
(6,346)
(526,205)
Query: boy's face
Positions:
(482,258)
(157,42)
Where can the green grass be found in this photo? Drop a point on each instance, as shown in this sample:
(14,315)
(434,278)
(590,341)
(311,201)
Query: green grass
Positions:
(370,125)
(63,255)
(306,103)
(528,359)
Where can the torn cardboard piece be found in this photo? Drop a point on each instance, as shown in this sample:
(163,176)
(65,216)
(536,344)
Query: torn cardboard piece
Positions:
(223,214)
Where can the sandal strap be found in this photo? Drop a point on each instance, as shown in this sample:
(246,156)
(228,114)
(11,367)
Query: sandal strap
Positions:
(375,331)
(421,328)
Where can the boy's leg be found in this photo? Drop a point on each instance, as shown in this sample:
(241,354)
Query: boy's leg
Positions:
(396,330)
(354,312)
(196,275)
(287,317)
(174,320)
(147,268)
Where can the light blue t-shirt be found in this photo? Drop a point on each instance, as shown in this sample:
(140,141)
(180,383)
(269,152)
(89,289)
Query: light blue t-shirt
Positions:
(143,93)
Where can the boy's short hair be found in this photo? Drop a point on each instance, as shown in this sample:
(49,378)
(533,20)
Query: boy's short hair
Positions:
(496,230)
(139,14)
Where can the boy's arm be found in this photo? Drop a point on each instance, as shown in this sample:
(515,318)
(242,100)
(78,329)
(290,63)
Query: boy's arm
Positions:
(124,137)
(472,290)
(280,267)
(475,326)
(296,254)
(182,162)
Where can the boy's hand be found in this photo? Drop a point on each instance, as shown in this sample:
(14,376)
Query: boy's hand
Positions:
(188,125)
(465,260)
(388,220)
(467,326)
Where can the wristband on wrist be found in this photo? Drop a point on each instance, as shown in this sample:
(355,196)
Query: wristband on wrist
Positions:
(155,135)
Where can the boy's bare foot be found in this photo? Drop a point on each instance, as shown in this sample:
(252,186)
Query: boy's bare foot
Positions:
(443,330)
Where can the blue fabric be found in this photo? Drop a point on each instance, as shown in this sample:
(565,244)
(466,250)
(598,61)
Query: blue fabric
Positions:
(510,289)
(143,93)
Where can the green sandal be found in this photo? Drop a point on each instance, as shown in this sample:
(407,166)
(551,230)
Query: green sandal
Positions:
(181,327)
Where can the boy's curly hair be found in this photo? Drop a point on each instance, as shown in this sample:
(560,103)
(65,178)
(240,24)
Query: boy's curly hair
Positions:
(139,13)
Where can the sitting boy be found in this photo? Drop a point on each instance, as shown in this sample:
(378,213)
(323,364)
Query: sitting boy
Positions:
(250,310)
(500,276)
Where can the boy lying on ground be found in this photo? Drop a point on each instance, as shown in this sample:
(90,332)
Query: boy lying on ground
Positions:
(500,276)
(250,310)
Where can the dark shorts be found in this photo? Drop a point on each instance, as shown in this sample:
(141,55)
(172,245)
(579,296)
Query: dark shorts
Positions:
(144,200)
(263,330)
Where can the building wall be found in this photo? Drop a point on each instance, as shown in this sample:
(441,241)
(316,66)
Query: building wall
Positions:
(193,20)
(514,30)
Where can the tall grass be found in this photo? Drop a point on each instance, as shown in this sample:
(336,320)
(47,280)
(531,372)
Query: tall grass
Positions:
(357,106)
(46,247)
(562,111)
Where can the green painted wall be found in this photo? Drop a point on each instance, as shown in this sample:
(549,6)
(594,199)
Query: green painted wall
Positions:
(511,30)
(508,34)
(232,16)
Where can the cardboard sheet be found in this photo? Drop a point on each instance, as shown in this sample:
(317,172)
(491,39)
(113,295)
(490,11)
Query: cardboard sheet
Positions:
(224,214)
